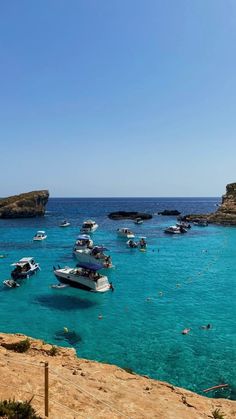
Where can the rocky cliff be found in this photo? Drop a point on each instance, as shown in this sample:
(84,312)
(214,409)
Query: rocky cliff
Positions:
(79,388)
(30,204)
(226,212)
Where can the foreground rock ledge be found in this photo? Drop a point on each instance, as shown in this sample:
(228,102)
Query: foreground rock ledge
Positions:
(25,205)
(225,214)
(94,390)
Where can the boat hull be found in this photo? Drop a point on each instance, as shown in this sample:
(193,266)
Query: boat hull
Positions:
(24,275)
(81,282)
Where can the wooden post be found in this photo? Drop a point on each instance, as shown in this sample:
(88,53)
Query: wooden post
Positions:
(46,389)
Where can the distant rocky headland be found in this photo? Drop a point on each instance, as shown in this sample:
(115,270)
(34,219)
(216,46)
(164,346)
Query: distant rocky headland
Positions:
(25,205)
(226,212)
(132,215)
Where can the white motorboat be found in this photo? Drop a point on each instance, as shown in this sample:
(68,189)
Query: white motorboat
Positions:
(89,226)
(59,286)
(138,220)
(175,230)
(10,283)
(24,268)
(85,279)
(183,224)
(126,233)
(132,244)
(94,258)
(40,235)
(64,223)
(83,241)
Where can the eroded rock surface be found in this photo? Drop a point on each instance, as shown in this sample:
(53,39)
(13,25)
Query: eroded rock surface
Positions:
(79,388)
(30,204)
(226,212)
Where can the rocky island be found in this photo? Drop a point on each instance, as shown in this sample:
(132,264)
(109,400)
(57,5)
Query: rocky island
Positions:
(25,205)
(79,388)
(131,215)
(226,212)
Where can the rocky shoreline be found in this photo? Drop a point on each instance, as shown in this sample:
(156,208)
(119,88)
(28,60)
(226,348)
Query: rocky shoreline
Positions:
(81,388)
(226,212)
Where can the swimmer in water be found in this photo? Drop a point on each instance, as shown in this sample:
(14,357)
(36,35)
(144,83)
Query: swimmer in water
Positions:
(185,331)
(100,317)
(208,326)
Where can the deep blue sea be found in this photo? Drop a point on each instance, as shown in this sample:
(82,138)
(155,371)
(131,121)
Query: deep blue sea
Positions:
(180,282)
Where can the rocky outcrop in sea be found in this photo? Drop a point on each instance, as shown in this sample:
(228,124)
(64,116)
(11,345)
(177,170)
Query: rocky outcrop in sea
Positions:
(132,215)
(25,205)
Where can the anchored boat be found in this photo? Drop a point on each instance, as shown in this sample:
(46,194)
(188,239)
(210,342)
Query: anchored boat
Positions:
(86,279)
(24,268)
(89,226)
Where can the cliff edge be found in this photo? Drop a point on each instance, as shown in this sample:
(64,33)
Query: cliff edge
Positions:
(25,205)
(79,388)
(226,212)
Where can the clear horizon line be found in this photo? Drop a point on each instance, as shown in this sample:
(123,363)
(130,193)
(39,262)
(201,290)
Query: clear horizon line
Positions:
(133,197)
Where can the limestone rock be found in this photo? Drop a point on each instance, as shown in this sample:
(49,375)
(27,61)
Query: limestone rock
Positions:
(226,212)
(100,391)
(30,204)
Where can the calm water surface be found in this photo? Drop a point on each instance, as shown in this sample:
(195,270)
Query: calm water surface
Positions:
(180,282)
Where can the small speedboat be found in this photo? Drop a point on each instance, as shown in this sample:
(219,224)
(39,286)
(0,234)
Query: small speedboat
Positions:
(86,279)
(24,268)
(10,283)
(183,224)
(132,244)
(40,235)
(89,226)
(125,233)
(59,286)
(138,220)
(175,230)
(64,223)
(83,241)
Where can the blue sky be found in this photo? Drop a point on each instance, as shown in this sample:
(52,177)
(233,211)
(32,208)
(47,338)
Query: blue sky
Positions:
(118,97)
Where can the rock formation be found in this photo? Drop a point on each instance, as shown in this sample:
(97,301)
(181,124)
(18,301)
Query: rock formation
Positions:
(169,212)
(79,388)
(30,204)
(226,212)
(132,215)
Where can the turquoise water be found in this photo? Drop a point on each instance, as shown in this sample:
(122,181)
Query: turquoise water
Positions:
(179,282)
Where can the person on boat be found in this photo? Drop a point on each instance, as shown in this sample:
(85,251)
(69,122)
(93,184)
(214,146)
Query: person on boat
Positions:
(143,243)
(108,261)
(111,287)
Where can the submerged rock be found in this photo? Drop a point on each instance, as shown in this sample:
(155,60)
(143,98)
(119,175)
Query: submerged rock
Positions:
(132,215)
(25,205)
